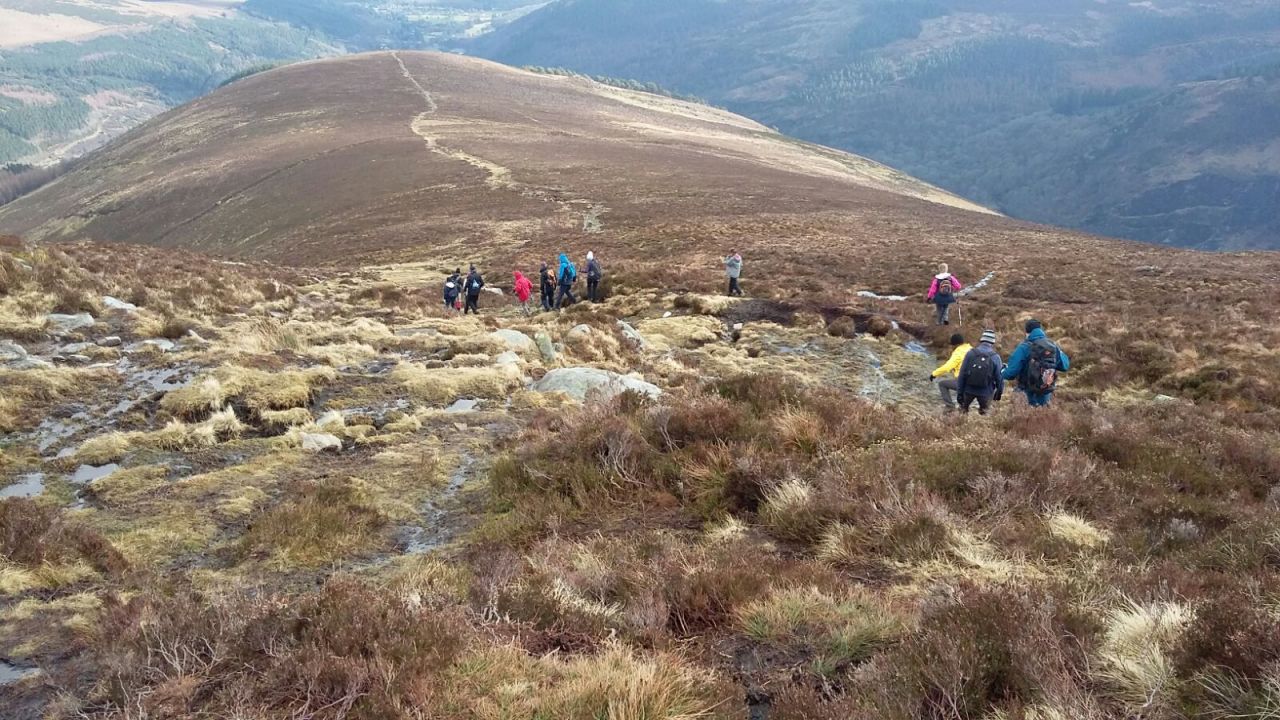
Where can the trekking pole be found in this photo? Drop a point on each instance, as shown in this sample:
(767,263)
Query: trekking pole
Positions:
(960,314)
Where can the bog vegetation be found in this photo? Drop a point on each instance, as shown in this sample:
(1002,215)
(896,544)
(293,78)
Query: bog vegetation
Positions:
(765,537)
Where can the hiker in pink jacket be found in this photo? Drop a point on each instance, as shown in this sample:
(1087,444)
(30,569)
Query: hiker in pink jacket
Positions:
(942,293)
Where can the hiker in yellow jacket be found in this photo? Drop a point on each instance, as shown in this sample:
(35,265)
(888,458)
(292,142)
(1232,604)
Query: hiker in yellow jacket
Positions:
(950,372)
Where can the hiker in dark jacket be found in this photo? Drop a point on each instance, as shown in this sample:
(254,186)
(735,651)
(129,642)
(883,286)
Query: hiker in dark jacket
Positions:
(942,293)
(547,287)
(452,287)
(1035,364)
(568,276)
(980,375)
(473,286)
(593,277)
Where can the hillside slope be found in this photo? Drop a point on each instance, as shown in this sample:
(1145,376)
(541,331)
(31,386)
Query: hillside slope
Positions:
(380,152)
(1146,120)
(236,488)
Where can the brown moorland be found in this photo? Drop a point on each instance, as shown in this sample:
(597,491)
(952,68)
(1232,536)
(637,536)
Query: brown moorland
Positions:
(791,530)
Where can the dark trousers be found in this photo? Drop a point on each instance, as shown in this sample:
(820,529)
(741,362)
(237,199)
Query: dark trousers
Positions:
(449,302)
(472,304)
(734,290)
(1035,399)
(944,313)
(548,299)
(593,289)
(966,400)
(566,291)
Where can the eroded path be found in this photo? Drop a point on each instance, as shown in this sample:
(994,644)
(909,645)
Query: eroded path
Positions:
(427,125)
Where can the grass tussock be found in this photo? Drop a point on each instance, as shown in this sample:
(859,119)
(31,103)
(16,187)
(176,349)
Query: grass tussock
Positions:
(258,390)
(438,386)
(314,524)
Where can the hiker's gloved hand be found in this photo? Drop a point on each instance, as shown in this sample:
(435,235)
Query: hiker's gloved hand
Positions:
(999,395)
(932,378)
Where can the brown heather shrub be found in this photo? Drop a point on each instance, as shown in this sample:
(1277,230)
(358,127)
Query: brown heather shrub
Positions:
(346,651)
(763,393)
(993,649)
(175,328)
(1232,632)
(32,534)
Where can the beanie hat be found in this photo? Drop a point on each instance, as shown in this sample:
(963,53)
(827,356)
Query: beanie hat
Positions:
(989,336)
(1032,325)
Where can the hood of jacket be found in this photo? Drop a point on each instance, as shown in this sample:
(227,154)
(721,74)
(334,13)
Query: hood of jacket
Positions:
(519,276)
(1037,334)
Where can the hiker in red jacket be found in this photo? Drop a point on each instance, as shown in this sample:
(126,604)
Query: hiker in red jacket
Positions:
(524,291)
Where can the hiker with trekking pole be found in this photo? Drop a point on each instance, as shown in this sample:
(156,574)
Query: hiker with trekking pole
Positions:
(943,293)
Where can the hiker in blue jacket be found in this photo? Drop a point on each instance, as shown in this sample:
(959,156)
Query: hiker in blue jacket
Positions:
(568,275)
(1035,364)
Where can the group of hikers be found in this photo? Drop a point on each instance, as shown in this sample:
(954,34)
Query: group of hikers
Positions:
(971,375)
(977,374)
(555,286)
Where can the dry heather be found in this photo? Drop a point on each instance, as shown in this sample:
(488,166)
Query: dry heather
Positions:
(791,530)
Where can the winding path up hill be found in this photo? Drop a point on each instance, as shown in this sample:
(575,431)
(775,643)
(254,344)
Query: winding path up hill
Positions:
(373,153)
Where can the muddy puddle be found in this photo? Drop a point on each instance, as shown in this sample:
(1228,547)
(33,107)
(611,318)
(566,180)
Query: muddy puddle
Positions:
(435,531)
(86,474)
(29,485)
(465,405)
(10,673)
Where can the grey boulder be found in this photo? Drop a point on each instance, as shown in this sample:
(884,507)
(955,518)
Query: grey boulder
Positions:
(580,383)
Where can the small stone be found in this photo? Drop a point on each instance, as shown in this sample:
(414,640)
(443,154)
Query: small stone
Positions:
(1164,399)
(117,304)
(507,358)
(632,335)
(320,442)
(62,324)
(546,347)
(161,343)
(110,341)
(11,351)
(75,348)
(79,359)
(460,427)
(196,337)
(514,340)
(30,363)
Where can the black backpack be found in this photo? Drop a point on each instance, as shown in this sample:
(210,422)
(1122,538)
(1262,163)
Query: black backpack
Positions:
(1042,367)
(979,371)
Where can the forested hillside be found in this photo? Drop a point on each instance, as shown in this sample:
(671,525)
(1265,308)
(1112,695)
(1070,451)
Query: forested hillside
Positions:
(1154,121)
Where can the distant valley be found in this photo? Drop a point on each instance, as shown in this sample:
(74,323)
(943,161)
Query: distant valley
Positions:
(1153,121)
(76,73)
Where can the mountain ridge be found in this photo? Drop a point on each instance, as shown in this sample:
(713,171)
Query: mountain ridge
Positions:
(190,177)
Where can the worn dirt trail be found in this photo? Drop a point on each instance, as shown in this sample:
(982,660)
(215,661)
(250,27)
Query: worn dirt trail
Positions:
(425,125)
